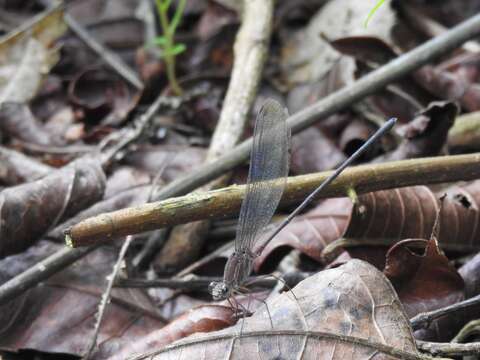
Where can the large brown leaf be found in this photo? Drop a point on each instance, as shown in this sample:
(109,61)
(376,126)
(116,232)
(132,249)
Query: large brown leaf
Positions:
(29,210)
(425,282)
(410,212)
(355,301)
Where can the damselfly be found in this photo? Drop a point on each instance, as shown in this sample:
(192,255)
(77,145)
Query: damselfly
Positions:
(265,185)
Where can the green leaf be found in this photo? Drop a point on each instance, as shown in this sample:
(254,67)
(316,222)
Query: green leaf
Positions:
(175,50)
(163,5)
(160,41)
(372,12)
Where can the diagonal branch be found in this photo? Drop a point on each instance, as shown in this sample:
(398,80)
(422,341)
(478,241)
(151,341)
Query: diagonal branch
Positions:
(227,201)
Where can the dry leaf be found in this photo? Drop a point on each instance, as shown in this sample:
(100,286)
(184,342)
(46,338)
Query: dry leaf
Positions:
(58,316)
(25,56)
(387,216)
(312,231)
(354,300)
(29,210)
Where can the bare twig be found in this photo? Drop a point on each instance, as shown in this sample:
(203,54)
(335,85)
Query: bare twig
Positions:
(250,51)
(106,297)
(112,59)
(449,349)
(227,201)
(423,320)
(41,271)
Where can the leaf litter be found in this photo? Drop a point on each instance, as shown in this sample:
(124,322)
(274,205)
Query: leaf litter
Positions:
(64,101)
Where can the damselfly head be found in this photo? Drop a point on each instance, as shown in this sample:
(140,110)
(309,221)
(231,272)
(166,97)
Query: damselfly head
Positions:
(218,290)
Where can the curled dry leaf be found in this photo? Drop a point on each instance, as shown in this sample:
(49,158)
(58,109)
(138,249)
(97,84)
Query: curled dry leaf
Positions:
(385,217)
(425,282)
(16,168)
(59,315)
(450,86)
(25,56)
(205,318)
(311,232)
(101,95)
(426,134)
(353,301)
(29,210)
(18,122)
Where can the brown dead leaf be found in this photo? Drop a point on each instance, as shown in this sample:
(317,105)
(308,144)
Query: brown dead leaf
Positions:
(26,56)
(385,217)
(353,301)
(100,95)
(16,168)
(306,147)
(450,86)
(29,210)
(18,122)
(425,282)
(311,232)
(180,160)
(205,318)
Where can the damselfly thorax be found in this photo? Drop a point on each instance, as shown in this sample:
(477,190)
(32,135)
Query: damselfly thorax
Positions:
(237,270)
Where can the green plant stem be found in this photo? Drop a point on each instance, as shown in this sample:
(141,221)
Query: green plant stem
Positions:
(169,58)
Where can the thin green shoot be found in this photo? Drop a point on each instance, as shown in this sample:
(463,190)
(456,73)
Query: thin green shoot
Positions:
(372,12)
(166,42)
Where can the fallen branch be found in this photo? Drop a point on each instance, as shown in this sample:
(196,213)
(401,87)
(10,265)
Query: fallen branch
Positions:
(226,201)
